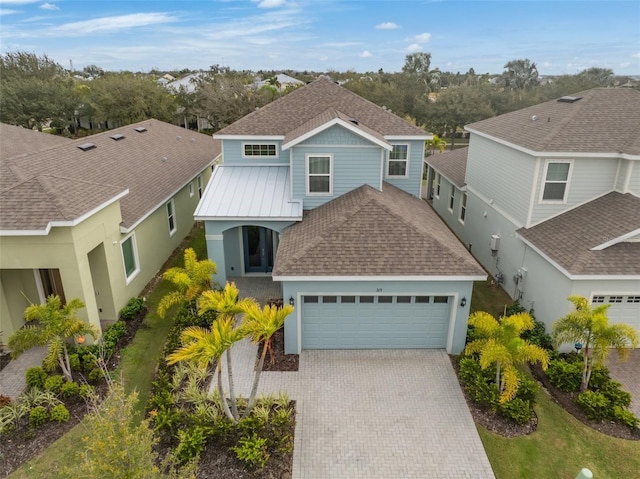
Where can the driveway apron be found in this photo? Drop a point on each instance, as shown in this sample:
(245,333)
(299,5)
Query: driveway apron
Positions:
(376,414)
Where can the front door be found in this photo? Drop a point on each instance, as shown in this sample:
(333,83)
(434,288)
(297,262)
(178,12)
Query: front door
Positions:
(258,249)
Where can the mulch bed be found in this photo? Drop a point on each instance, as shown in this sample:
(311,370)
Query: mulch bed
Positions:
(278,361)
(492,421)
(567,402)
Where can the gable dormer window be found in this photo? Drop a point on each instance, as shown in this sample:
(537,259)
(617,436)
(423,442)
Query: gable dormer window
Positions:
(319,174)
(556,182)
(397,165)
(259,150)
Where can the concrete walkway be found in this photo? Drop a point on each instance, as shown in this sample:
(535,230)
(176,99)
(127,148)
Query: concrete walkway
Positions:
(374,414)
(628,373)
(12,380)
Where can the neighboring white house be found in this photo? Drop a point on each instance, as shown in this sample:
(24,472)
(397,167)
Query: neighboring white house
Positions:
(548,199)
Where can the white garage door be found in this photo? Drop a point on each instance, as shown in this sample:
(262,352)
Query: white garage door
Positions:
(375,322)
(623,309)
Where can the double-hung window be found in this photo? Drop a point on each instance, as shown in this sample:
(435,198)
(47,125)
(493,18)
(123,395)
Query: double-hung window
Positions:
(130,257)
(319,174)
(463,208)
(171,216)
(199,186)
(398,161)
(438,183)
(556,181)
(452,197)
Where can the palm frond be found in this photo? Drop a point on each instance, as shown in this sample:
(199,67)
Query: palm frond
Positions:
(484,323)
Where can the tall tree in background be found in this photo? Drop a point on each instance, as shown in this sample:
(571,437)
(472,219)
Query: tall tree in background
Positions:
(520,75)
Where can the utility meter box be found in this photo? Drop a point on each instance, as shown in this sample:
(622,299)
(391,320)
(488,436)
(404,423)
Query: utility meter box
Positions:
(495,243)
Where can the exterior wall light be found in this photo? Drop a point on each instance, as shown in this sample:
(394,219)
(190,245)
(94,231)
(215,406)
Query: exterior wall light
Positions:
(463,302)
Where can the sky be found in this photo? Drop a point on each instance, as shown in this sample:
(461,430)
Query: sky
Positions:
(561,37)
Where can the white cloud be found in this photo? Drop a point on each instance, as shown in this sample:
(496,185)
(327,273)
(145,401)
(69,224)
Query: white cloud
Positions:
(387,26)
(422,38)
(323,58)
(17,2)
(366,54)
(8,11)
(625,64)
(269,3)
(112,24)
(636,55)
(414,47)
(49,6)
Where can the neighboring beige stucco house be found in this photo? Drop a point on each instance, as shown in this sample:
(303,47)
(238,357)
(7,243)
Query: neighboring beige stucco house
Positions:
(94,218)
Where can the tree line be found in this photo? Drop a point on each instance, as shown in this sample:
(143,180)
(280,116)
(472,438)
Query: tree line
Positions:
(37,92)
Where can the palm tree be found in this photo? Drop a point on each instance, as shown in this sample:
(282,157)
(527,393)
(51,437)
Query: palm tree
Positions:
(590,327)
(260,325)
(227,305)
(56,324)
(205,347)
(435,142)
(189,281)
(500,343)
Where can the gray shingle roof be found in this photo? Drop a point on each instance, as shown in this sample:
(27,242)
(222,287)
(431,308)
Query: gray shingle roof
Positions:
(367,232)
(62,183)
(452,164)
(604,120)
(284,115)
(568,238)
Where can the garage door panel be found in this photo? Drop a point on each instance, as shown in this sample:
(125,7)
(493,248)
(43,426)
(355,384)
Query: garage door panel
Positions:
(377,325)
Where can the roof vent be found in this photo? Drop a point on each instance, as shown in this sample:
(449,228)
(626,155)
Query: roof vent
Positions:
(569,99)
(117,137)
(87,146)
(354,121)
(140,129)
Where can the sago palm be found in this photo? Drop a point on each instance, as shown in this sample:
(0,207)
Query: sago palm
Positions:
(590,326)
(260,325)
(499,343)
(56,324)
(205,347)
(189,281)
(227,305)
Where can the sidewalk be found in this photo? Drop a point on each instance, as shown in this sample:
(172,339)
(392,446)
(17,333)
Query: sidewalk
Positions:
(12,381)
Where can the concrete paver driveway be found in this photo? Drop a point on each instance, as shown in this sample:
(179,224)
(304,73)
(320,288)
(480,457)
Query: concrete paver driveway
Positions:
(379,414)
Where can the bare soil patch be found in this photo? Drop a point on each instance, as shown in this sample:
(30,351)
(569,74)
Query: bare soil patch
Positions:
(277,360)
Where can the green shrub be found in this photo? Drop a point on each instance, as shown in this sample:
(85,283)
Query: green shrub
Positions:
(87,356)
(626,417)
(252,425)
(599,376)
(70,389)
(95,376)
(112,335)
(528,390)
(38,416)
(518,410)
(54,383)
(252,451)
(191,443)
(594,404)
(612,390)
(35,377)
(480,387)
(131,310)
(86,391)
(59,413)
(74,362)
(538,336)
(565,375)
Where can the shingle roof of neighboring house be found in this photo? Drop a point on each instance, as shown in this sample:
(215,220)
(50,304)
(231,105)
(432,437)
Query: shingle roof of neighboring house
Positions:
(604,120)
(568,239)
(367,232)
(63,183)
(451,164)
(300,106)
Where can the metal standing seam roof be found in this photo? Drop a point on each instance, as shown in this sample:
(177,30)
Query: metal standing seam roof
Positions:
(248,192)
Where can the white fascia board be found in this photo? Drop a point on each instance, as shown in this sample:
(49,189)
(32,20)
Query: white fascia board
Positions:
(617,240)
(605,277)
(65,224)
(425,137)
(380,278)
(248,218)
(249,137)
(344,124)
(555,154)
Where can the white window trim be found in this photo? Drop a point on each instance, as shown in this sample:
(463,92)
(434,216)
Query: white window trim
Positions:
(276,156)
(464,199)
(541,199)
(438,186)
(406,160)
(200,183)
(451,200)
(306,173)
(134,245)
(191,189)
(171,217)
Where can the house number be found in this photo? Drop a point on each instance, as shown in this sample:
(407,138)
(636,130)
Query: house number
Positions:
(379,290)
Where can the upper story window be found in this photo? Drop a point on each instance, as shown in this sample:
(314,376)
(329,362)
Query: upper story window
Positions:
(452,197)
(398,161)
(438,183)
(190,189)
(171,217)
(556,181)
(130,257)
(259,150)
(319,174)
(463,208)
(199,186)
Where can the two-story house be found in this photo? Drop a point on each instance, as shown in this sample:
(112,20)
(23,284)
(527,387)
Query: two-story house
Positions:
(320,190)
(548,199)
(94,218)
